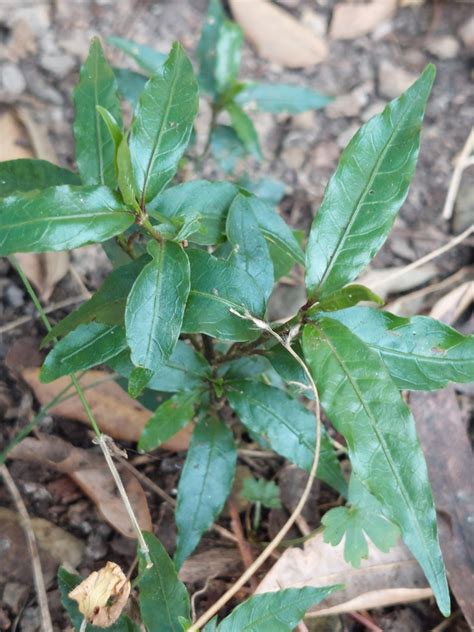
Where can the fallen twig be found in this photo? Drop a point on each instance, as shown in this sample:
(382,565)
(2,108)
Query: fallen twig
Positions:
(462,162)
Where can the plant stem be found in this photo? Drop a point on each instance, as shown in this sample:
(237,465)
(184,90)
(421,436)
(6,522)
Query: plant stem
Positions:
(147,225)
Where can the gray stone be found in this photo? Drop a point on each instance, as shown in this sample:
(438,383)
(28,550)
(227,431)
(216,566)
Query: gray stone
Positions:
(12,82)
(443,47)
(466,33)
(59,64)
(345,136)
(14,595)
(350,104)
(14,296)
(393,80)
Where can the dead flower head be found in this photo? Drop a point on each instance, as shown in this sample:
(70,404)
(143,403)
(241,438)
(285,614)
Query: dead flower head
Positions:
(102,596)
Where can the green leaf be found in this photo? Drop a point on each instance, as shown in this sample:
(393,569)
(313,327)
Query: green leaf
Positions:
(155,306)
(148,58)
(27,174)
(268,190)
(173,414)
(209,201)
(289,427)
(363,518)
(250,250)
(130,84)
(365,406)
(228,55)
(95,153)
(107,305)
(278,611)
(66,583)
(207,46)
(366,192)
(276,97)
(345,297)
(163,597)
(125,174)
(420,353)
(113,127)
(205,483)
(244,128)
(226,147)
(289,369)
(83,348)
(60,218)
(258,490)
(162,125)
(216,288)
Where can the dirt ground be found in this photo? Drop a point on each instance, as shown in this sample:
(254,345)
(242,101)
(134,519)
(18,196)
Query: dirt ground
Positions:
(42,44)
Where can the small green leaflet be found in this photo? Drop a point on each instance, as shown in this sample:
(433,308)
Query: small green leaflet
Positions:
(83,348)
(420,353)
(258,490)
(130,84)
(364,195)
(244,128)
(363,518)
(163,597)
(162,125)
(148,58)
(155,306)
(207,46)
(125,174)
(345,297)
(228,55)
(168,419)
(289,427)
(27,174)
(216,288)
(250,250)
(279,611)
(205,483)
(60,218)
(275,98)
(95,152)
(365,406)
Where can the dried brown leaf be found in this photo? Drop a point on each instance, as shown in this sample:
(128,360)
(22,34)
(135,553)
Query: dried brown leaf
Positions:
(350,21)
(218,562)
(14,138)
(44,270)
(454,303)
(381,281)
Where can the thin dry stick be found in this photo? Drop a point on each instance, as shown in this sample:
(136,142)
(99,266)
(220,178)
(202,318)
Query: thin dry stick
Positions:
(296,512)
(46,623)
(47,310)
(429,257)
(243,545)
(461,163)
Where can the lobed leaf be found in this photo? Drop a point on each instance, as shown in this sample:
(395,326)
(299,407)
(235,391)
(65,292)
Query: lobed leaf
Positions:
(275,98)
(365,406)
(26,174)
(168,419)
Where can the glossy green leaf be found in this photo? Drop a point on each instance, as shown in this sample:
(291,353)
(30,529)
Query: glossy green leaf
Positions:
(275,98)
(278,611)
(67,582)
(162,125)
(207,46)
(289,427)
(125,174)
(205,483)
(26,174)
(60,218)
(250,250)
(208,201)
(216,288)
(107,305)
(258,490)
(365,406)
(420,353)
(244,128)
(289,369)
(95,153)
(364,195)
(345,297)
(155,306)
(228,55)
(173,414)
(113,126)
(226,147)
(130,84)
(83,348)
(363,518)
(147,58)
(163,597)
(268,190)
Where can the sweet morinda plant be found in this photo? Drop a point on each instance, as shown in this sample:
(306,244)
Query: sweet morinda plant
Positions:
(183,313)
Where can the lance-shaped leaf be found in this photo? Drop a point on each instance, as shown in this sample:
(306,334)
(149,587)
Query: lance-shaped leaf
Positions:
(205,483)
(155,306)
(162,125)
(287,425)
(228,55)
(168,419)
(279,611)
(244,128)
(365,406)
(148,58)
(163,597)
(216,288)
(95,152)
(27,174)
(275,98)
(83,348)
(366,192)
(60,218)
(420,353)
(206,51)
(130,84)
(345,297)
(250,250)
(226,147)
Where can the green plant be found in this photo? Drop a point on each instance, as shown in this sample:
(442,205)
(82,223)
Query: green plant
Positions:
(183,313)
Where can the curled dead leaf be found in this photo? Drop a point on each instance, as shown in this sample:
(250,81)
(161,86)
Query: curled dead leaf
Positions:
(44,270)
(102,596)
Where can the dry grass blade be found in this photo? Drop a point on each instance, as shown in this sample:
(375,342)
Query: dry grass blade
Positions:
(461,163)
